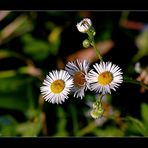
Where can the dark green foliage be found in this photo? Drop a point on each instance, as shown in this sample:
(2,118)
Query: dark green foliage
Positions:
(33,43)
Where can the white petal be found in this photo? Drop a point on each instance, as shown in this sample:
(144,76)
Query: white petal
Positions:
(100,68)
(48,95)
(76,66)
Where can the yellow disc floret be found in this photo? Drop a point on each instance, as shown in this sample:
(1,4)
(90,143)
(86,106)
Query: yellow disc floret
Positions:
(57,86)
(105,78)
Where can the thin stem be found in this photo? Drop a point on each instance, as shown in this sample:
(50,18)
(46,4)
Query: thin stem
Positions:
(97,51)
(87,129)
(99,100)
(92,42)
(130,80)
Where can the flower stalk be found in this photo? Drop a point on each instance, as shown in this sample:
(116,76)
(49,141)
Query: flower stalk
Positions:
(92,43)
(130,80)
(85,26)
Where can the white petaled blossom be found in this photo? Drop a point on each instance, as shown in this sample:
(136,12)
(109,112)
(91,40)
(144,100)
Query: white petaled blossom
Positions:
(78,70)
(84,25)
(56,86)
(106,77)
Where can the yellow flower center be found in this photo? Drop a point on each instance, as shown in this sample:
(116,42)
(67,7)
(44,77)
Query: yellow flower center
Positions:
(79,79)
(57,86)
(105,78)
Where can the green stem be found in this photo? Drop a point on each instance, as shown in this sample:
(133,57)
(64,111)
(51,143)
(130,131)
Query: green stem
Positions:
(97,51)
(99,100)
(130,80)
(90,127)
(92,42)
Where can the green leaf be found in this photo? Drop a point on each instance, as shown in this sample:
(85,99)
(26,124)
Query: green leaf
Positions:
(4,53)
(141,42)
(13,92)
(30,128)
(8,126)
(26,26)
(37,49)
(74,116)
(144,112)
(54,39)
(135,126)
(109,131)
(62,122)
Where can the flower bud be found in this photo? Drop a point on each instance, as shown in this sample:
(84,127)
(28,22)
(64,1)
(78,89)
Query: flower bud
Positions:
(97,110)
(84,25)
(86,43)
(97,113)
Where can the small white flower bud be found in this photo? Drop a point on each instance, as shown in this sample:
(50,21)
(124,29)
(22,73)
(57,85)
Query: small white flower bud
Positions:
(84,25)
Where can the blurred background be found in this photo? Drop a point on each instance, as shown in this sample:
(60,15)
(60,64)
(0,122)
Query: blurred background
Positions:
(32,43)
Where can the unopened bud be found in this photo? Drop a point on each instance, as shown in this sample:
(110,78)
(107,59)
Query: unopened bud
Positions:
(84,25)
(97,113)
(86,43)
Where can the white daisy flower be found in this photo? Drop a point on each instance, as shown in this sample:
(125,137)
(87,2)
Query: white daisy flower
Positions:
(78,70)
(84,25)
(106,77)
(56,86)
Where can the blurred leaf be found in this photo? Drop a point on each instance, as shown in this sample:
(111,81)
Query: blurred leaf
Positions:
(26,26)
(37,49)
(87,129)
(135,126)
(55,40)
(13,92)
(144,112)
(11,101)
(109,131)
(106,35)
(142,44)
(30,128)
(13,84)
(18,26)
(142,41)
(90,97)
(62,122)
(50,25)
(8,126)
(7,73)
(106,32)
(32,112)
(4,53)
(27,38)
(74,115)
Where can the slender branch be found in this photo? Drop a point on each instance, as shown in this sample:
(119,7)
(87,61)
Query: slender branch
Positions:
(92,42)
(130,80)
(99,100)
(87,129)
(97,51)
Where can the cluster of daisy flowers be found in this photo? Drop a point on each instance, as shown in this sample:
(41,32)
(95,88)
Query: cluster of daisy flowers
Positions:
(77,77)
